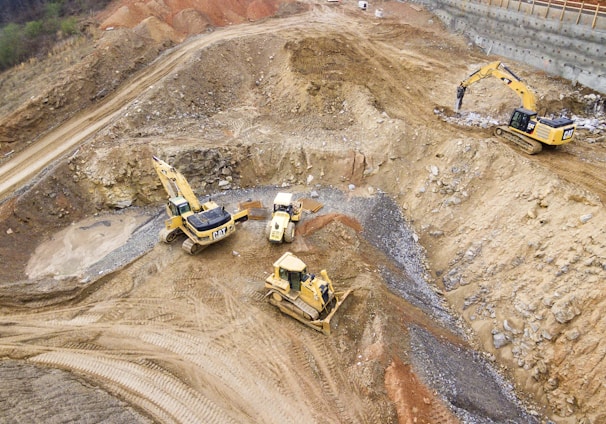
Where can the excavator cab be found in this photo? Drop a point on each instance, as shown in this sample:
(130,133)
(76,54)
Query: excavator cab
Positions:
(179,206)
(522,119)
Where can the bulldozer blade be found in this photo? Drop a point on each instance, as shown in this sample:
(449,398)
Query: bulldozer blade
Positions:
(322,325)
(341,296)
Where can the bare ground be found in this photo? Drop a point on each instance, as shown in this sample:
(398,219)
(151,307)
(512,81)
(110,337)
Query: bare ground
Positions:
(332,98)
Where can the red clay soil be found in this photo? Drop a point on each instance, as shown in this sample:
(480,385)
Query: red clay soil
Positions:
(311,226)
(415,402)
(177,13)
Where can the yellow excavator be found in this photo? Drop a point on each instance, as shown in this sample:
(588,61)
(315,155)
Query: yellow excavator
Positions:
(305,297)
(525,129)
(203,224)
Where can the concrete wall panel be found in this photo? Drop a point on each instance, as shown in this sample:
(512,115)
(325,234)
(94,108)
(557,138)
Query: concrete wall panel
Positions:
(548,39)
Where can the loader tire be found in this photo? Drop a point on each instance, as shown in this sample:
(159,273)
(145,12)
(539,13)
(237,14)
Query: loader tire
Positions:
(289,233)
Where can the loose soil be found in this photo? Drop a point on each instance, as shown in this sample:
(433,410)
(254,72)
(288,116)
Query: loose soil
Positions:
(475,269)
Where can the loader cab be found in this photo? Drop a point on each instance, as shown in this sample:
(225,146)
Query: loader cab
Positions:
(523,120)
(178,206)
(283,208)
(283,203)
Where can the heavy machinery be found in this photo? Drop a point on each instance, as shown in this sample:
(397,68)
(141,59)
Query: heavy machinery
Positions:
(302,295)
(525,129)
(283,218)
(203,224)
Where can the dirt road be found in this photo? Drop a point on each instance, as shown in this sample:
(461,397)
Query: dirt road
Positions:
(464,242)
(24,166)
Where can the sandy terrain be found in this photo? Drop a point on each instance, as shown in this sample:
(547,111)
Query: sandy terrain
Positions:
(476,269)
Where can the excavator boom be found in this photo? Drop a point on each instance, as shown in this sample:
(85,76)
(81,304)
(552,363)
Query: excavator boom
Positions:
(503,73)
(526,129)
(175,183)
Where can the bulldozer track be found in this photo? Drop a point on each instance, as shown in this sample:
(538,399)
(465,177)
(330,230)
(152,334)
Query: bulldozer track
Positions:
(210,357)
(167,393)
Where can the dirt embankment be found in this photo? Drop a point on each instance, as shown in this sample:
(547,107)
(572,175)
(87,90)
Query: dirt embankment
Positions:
(335,98)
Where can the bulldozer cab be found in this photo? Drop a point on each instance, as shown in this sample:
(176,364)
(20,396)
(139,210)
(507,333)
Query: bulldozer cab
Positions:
(294,278)
(291,270)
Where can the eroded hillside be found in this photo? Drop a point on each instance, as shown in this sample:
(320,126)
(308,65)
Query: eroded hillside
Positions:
(455,223)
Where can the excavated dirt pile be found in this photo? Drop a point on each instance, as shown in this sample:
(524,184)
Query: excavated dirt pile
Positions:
(475,268)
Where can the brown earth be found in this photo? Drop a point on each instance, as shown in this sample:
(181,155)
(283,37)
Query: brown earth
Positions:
(321,96)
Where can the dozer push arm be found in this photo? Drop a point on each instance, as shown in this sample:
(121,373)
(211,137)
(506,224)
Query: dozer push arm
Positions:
(175,183)
(503,73)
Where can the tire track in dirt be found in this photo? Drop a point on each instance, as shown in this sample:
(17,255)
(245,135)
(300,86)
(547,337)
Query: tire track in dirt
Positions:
(572,168)
(330,376)
(217,362)
(166,392)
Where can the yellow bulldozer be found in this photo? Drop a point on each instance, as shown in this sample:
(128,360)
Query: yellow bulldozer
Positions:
(203,224)
(304,296)
(526,130)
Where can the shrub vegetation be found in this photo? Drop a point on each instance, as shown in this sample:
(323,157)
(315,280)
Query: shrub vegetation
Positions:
(30,28)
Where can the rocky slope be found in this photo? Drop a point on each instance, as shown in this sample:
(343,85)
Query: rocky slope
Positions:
(515,243)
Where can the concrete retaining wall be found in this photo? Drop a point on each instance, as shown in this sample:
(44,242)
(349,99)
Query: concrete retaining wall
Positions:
(565,43)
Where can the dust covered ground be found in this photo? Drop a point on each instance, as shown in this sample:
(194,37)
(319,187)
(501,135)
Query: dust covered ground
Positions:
(476,269)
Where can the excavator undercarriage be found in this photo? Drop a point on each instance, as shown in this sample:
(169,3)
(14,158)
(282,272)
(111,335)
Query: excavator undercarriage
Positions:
(527,144)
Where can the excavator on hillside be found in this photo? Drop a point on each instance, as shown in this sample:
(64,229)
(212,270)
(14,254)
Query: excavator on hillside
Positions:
(527,130)
(203,224)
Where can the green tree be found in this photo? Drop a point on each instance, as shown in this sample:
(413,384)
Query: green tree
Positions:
(33,29)
(11,45)
(53,10)
(69,26)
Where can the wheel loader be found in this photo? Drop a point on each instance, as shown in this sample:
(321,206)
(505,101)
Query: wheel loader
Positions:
(304,296)
(203,224)
(283,218)
(526,129)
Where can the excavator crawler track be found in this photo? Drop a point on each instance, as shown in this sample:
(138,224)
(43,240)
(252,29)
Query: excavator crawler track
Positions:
(528,145)
(192,248)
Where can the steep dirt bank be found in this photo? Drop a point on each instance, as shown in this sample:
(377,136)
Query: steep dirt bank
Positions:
(514,242)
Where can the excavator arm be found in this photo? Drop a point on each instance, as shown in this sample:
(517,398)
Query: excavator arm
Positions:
(175,183)
(500,71)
